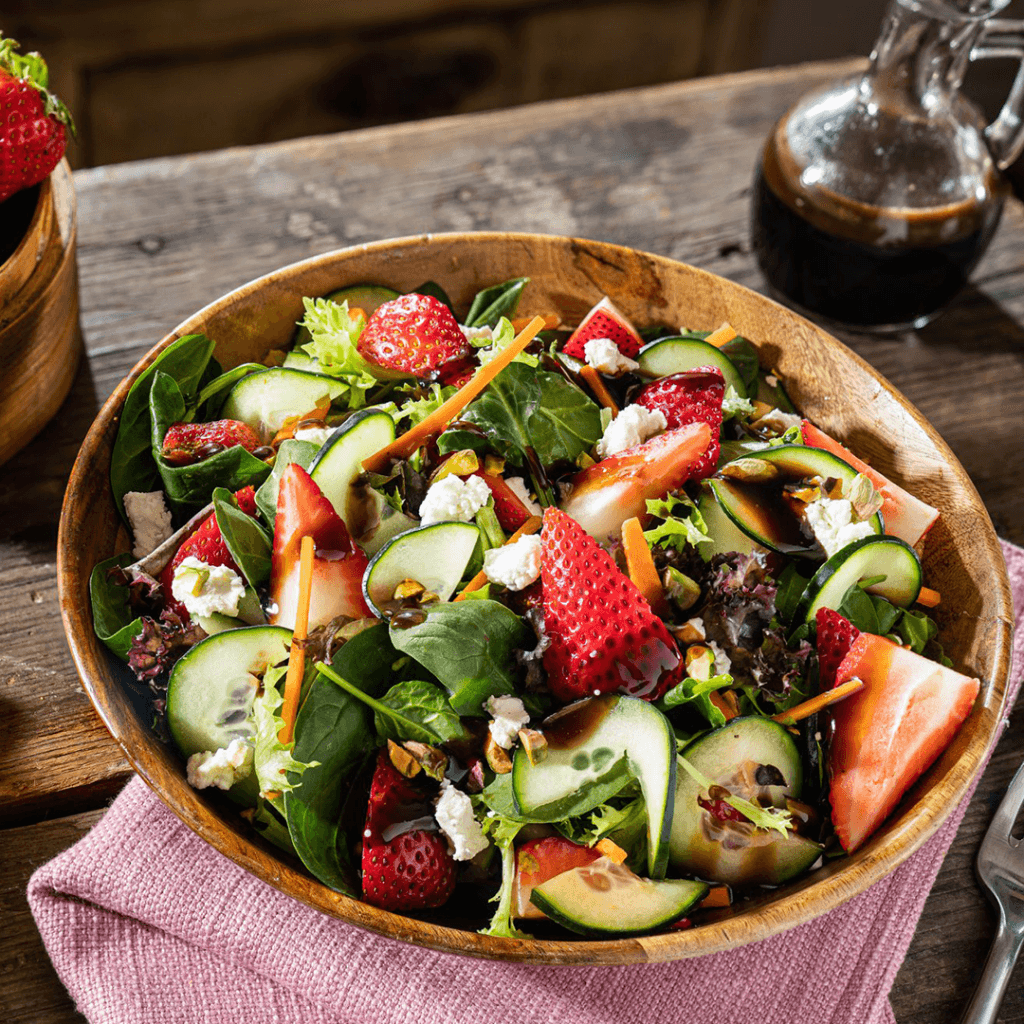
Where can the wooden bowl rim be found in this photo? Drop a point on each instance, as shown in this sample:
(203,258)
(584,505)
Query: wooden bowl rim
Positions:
(877,859)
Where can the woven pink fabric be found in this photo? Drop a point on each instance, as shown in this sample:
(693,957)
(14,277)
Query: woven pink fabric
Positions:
(146,924)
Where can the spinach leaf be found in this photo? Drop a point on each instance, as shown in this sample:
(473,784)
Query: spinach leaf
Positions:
(743,356)
(245,539)
(491,304)
(211,395)
(422,713)
(470,647)
(868,612)
(188,488)
(916,629)
(302,452)
(792,584)
(166,407)
(112,616)
(433,289)
(132,467)
(336,729)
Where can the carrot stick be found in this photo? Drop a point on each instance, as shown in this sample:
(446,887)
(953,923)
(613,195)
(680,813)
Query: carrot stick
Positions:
(611,850)
(928,597)
(593,378)
(297,654)
(823,700)
(532,525)
(640,564)
(718,896)
(551,321)
(433,424)
(719,337)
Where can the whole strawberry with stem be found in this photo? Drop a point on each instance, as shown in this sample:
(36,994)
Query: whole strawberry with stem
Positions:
(33,122)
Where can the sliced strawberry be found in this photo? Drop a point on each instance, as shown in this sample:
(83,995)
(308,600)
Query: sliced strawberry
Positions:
(834,640)
(338,564)
(414,334)
(694,396)
(604,321)
(458,371)
(508,507)
(615,489)
(540,860)
(889,732)
(187,443)
(604,636)
(404,868)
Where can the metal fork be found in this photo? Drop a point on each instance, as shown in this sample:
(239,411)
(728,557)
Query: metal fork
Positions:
(1001,870)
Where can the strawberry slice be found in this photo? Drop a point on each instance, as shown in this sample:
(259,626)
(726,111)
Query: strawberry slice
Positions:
(338,564)
(540,860)
(834,640)
(694,396)
(889,732)
(604,636)
(414,334)
(404,867)
(604,321)
(187,443)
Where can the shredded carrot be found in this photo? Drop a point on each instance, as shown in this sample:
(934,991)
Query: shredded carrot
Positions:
(823,700)
(551,321)
(532,525)
(287,431)
(928,597)
(593,378)
(724,705)
(640,564)
(719,337)
(718,896)
(433,424)
(611,850)
(297,654)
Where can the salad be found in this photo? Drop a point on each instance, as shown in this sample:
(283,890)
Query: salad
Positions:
(577,626)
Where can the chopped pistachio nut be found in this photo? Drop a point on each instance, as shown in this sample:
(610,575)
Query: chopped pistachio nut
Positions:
(535,745)
(700,662)
(680,589)
(432,760)
(497,757)
(750,470)
(403,761)
(407,589)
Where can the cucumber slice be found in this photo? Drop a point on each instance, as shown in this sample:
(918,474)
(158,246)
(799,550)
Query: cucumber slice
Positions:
(595,747)
(674,355)
(390,523)
(435,555)
(366,296)
(266,399)
(735,852)
(298,360)
(865,559)
(725,535)
(605,898)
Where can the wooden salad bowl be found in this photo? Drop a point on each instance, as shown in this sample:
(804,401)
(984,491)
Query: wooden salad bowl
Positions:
(829,383)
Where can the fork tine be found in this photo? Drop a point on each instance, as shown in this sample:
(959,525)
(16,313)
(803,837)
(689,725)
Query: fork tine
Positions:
(1006,813)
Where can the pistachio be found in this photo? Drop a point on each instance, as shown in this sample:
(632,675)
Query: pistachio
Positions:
(691,632)
(432,760)
(756,471)
(535,745)
(497,757)
(403,761)
(700,662)
(494,465)
(680,589)
(461,463)
(407,589)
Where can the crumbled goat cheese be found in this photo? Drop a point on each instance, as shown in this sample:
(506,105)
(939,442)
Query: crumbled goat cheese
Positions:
(472,333)
(151,521)
(454,813)
(207,589)
(314,435)
(221,768)
(834,524)
(604,356)
(779,421)
(698,625)
(632,426)
(451,499)
(508,716)
(517,485)
(516,565)
(723,663)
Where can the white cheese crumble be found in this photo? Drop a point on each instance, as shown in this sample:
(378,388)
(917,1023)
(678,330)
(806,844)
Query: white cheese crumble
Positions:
(473,333)
(454,813)
(605,357)
(453,500)
(632,426)
(207,589)
(515,565)
(221,768)
(779,421)
(835,524)
(698,626)
(517,485)
(314,435)
(151,521)
(508,716)
(723,663)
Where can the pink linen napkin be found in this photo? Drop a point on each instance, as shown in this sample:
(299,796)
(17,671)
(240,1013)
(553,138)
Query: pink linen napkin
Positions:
(146,924)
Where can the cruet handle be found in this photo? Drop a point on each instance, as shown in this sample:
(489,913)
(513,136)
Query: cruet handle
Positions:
(1005,38)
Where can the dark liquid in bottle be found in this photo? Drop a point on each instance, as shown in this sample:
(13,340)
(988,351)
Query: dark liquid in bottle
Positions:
(858,264)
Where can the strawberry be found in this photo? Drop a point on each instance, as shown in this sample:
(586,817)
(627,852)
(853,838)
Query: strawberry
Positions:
(539,860)
(338,564)
(32,127)
(604,321)
(604,636)
(414,334)
(412,870)
(458,372)
(694,396)
(186,443)
(835,638)
(206,544)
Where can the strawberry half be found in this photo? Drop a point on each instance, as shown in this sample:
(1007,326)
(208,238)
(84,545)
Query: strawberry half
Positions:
(834,640)
(604,321)
(411,870)
(187,443)
(604,636)
(338,564)
(414,334)
(694,396)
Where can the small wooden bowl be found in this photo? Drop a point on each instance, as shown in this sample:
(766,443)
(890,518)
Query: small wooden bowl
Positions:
(40,339)
(827,381)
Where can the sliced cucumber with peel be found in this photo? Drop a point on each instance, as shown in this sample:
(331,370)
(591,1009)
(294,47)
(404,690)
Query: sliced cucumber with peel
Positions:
(675,355)
(726,536)
(266,399)
(435,556)
(595,747)
(605,898)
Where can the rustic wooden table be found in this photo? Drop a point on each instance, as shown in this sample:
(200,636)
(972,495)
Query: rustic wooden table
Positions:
(665,169)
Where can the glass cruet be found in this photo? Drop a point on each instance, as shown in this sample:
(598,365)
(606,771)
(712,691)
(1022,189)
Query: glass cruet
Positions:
(877,195)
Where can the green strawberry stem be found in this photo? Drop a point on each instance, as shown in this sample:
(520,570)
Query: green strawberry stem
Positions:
(31,68)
